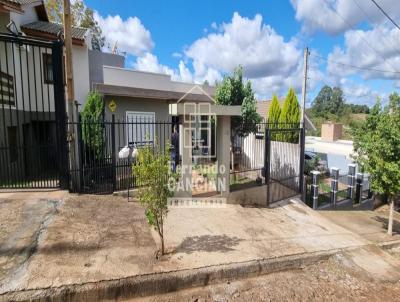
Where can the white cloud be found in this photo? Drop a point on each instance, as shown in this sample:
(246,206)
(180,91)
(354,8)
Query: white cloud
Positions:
(272,63)
(336,16)
(130,34)
(357,93)
(149,62)
(382,54)
(248,42)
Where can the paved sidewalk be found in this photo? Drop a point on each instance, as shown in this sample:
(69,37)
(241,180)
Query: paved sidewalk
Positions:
(83,240)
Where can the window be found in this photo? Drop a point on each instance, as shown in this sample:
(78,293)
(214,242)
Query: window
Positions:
(13,143)
(140,127)
(6,89)
(47,68)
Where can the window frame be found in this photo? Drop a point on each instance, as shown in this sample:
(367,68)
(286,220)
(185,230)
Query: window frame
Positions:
(7,88)
(47,60)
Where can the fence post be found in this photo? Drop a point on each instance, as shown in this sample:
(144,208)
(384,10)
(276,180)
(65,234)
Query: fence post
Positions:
(359,185)
(351,181)
(334,185)
(302,159)
(267,162)
(61,115)
(314,188)
(113,153)
(79,151)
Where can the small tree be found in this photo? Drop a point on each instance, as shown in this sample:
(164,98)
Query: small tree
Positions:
(274,114)
(377,148)
(290,116)
(152,168)
(92,128)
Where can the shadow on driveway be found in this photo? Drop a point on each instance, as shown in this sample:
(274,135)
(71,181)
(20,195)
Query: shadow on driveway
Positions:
(208,243)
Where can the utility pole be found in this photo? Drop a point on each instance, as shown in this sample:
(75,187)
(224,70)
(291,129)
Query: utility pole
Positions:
(70,81)
(304,90)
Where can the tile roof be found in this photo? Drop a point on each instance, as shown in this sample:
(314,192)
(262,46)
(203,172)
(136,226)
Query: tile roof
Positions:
(263,109)
(22,2)
(54,28)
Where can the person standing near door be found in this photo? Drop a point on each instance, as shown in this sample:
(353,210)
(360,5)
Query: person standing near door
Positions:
(174,148)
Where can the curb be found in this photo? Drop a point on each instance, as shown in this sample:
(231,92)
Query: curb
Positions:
(389,244)
(159,283)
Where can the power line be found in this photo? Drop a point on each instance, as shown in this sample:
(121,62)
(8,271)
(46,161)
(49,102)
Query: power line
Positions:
(386,14)
(354,66)
(362,37)
(371,21)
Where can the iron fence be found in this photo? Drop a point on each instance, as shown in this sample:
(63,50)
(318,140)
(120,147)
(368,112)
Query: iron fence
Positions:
(98,168)
(268,154)
(32,113)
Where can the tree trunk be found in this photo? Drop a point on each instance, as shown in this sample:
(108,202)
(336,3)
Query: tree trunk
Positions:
(162,245)
(390,224)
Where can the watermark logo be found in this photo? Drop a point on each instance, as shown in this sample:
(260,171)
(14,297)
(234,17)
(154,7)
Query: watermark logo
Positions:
(199,118)
(198,137)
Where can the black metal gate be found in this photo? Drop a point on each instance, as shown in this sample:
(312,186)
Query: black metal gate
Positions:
(33,150)
(98,168)
(284,162)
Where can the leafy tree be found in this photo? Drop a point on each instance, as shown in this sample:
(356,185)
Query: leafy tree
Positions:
(328,101)
(152,168)
(82,16)
(92,129)
(232,91)
(290,116)
(377,148)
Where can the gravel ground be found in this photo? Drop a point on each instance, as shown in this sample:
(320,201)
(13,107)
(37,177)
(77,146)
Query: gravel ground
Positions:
(332,280)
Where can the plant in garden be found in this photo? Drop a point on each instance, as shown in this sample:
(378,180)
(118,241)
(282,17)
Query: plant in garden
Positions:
(377,148)
(290,116)
(152,168)
(92,128)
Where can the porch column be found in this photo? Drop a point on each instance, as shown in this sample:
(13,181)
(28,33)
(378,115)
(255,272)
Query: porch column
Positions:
(223,133)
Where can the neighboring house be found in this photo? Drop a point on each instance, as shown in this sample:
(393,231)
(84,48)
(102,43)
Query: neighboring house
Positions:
(27,128)
(263,109)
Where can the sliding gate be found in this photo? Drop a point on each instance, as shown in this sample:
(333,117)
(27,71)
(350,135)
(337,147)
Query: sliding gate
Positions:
(33,150)
(284,162)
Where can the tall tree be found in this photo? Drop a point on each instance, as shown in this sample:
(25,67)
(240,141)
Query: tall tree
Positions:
(377,148)
(290,116)
(328,101)
(274,111)
(274,114)
(82,16)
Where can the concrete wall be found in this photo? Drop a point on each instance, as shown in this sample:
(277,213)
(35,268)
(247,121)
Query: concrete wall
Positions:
(4,20)
(148,80)
(331,131)
(97,60)
(80,60)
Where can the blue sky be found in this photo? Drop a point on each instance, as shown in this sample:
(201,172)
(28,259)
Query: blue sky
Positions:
(203,40)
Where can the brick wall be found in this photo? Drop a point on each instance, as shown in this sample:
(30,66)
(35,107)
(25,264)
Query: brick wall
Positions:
(331,132)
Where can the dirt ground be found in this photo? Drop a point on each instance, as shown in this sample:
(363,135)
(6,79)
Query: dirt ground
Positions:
(333,280)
